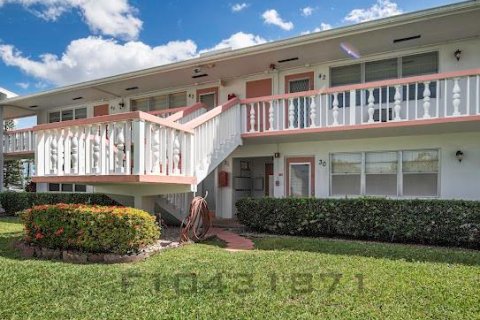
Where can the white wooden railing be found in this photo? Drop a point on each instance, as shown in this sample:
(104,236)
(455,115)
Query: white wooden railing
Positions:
(21,141)
(123,144)
(216,135)
(452,94)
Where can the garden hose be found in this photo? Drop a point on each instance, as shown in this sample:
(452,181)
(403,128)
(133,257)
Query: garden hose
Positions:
(196,225)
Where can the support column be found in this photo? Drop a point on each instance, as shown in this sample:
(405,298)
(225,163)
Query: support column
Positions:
(145,203)
(2,97)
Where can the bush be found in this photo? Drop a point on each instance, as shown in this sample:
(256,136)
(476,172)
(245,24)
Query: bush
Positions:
(15,202)
(438,222)
(90,228)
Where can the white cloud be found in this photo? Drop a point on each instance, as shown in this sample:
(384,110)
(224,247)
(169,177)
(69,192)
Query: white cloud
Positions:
(323,26)
(109,17)
(237,7)
(236,41)
(307,11)
(272,17)
(381,9)
(23,85)
(95,57)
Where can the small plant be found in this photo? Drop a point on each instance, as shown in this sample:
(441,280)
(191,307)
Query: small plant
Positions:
(87,228)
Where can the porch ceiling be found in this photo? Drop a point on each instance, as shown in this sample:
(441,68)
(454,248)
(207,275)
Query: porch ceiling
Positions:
(434,27)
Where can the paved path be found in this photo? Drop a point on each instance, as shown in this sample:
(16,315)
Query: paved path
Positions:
(234,241)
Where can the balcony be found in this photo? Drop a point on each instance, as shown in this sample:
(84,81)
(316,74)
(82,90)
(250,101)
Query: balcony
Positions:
(122,148)
(19,143)
(415,101)
(179,149)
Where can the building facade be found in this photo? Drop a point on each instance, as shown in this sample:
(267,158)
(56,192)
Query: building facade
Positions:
(387,108)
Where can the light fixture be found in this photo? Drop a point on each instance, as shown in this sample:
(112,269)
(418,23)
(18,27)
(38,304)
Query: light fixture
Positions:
(276,155)
(459,155)
(458,54)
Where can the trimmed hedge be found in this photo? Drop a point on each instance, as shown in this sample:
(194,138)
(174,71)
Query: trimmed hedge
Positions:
(435,222)
(15,202)
(90,228)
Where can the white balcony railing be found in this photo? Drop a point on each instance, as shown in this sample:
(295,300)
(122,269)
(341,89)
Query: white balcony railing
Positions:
(452,94)
(134,143)
(19,141)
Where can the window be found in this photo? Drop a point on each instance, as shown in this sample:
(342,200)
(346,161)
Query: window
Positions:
(160,102)
(80,188)
(420,173)
(54,117)
(300,179)
(341,76)
(407,66)
(346,173)
(66,187)
(419,64)
(381,173)
(68,114)
(53,187)
(80,113)
(393,173)
(382,70)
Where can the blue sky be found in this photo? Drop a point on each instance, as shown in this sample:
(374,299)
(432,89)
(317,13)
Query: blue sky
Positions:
(49,43)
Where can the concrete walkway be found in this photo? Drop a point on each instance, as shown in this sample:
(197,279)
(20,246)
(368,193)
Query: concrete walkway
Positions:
(234,241)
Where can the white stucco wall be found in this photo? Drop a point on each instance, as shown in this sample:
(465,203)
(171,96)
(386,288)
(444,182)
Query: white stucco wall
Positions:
(458,180)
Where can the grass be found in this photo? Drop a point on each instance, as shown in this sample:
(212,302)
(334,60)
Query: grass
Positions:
(399,282)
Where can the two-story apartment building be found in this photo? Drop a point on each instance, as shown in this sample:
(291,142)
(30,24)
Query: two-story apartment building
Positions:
(385,108)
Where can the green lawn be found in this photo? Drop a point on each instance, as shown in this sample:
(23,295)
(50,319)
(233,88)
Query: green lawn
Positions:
(291,278)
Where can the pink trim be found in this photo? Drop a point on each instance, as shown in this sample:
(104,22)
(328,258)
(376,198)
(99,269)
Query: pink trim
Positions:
(290,160)
(118,179)
(367,85)
(393,124)
(8,132)
(205,91)
(186,111)
(212,113)
(135,115)
(298,76)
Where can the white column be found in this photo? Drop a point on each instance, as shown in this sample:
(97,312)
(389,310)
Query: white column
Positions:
(313,114)
(371,105)
(397,104)
(252,117)
(139,143)
(335,109)
(456,97)
(426,100)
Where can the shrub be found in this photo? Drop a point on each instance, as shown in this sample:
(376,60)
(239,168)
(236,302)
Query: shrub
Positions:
(15,202)
(439,222)
(90,228)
